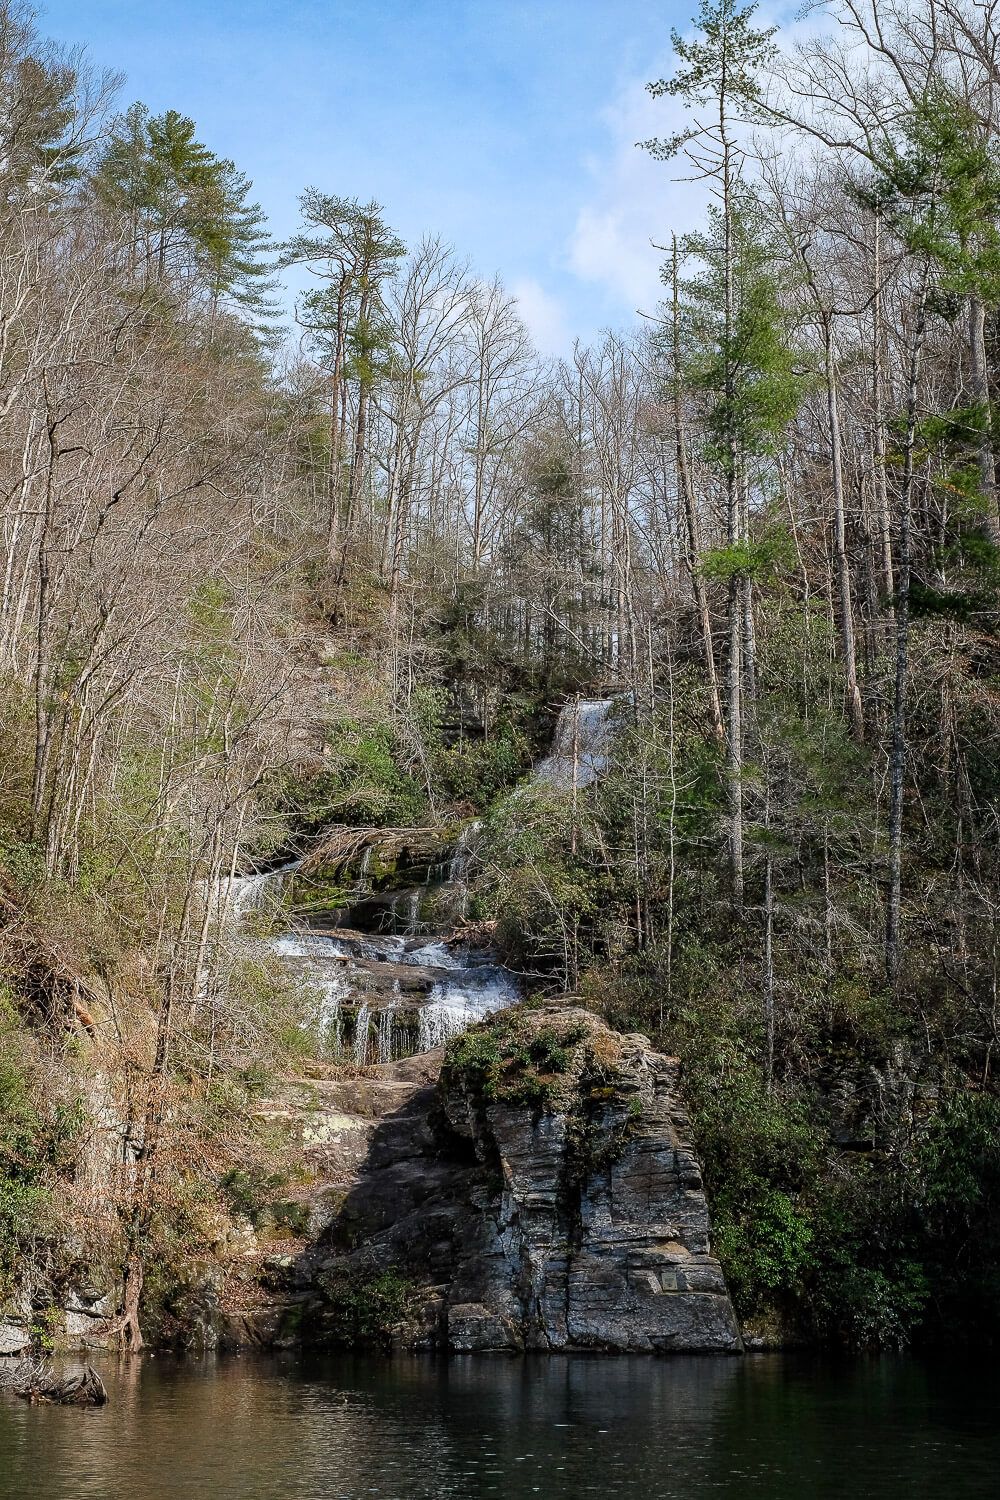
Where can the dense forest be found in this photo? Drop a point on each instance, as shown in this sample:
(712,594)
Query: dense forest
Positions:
(258,581)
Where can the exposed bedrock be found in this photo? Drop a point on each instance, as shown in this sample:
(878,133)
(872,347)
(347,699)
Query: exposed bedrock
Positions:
(533,1188)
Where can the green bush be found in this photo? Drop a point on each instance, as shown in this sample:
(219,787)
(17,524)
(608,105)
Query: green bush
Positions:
(365,1307)
(957,1212)
(506,1060)
(367,780)
(761,1156)
(540,881)
(478,771)
(248,1191)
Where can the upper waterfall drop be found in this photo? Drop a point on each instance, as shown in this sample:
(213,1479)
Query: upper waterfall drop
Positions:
(580,746)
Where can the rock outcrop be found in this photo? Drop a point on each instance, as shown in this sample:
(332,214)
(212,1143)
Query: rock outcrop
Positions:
(532,1188)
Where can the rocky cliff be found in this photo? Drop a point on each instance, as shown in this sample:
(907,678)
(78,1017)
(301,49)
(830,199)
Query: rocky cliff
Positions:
(534,1187)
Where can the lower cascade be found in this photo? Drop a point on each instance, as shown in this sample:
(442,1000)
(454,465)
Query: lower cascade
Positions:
(388,987)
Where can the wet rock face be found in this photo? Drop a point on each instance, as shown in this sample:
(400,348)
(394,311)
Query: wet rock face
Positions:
(541,1193)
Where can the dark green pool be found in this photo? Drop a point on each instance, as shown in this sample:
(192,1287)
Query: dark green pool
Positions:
(771,1426)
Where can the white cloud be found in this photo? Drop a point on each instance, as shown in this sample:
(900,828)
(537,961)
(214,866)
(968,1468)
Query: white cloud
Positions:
(635,204)
(543,315)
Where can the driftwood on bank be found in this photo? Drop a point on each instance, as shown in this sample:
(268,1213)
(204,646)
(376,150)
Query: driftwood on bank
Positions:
(36,1382)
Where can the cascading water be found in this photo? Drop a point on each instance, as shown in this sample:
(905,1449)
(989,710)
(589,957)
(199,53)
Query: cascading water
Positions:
(233,897)
(384,988)
(381,995)
(363,869)
(461,862)
(361,1025)
(581,745)
(462,998)
(385,1034)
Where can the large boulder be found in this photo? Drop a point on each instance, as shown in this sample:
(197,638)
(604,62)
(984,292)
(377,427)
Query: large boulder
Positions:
(533,1188)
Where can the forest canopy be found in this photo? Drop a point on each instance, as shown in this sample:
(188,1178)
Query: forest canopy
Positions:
(258,580)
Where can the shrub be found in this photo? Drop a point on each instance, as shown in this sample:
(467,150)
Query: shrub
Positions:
(506,1060)
(364,1307)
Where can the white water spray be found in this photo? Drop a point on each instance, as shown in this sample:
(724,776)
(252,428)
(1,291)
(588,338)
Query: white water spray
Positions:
(581,745)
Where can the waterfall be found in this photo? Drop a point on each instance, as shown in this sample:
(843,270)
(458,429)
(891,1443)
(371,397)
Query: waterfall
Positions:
(461,861)
(361,1023)
(432,955)
(458,870)
(455,1003)
(309,945)
(385,1027)
(404,910)
(233,897)
(333,991)
(580,746)
(408,989)
(362,885)
(228,901)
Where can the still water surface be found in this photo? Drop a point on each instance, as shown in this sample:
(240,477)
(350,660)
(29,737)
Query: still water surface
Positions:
(565,1429)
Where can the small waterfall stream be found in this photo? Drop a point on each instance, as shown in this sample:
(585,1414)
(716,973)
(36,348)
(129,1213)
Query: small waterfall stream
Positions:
(234,898)
(458,870)
(387,986)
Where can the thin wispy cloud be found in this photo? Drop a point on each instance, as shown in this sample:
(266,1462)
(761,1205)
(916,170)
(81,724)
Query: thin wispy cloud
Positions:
(633,202)
(544,316)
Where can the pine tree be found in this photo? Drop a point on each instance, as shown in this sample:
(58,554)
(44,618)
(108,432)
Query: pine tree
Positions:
(189,211)
(352,249)
(40,147)
(719,71)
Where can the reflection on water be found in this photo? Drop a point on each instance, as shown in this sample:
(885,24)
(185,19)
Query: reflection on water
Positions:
(349,1427)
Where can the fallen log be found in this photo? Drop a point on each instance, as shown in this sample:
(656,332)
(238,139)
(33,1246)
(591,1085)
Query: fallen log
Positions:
(339,846)
(38,1384)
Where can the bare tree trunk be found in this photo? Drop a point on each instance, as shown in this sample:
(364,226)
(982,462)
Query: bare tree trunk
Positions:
(692,523)
(333,473)
(878,418)
(739,586)
(734,739)
(855,713)
(356,476)
(898,752)
(43,720)
(768,956)
(981,393)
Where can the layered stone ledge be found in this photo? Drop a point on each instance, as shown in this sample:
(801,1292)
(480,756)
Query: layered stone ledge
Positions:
(533,1188)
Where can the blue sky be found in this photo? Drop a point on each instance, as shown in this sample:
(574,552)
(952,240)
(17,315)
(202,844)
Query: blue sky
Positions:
(507,126)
